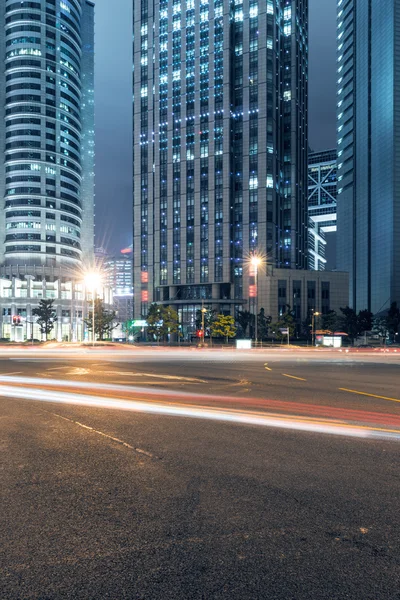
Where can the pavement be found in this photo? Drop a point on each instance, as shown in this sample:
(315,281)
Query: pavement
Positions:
(178,474)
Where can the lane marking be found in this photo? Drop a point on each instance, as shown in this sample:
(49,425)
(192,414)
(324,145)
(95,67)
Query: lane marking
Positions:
(59,368)
(110,437)
(268,369)
(13,373)
(370,395)
(294,377)
(155,376)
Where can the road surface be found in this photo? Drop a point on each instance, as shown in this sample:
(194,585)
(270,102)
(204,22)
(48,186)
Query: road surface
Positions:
(163,474)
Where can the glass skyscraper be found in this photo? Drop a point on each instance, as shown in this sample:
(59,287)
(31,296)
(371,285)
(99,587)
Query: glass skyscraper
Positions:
(220,147)
(46,163)
(368,101)
(46,132)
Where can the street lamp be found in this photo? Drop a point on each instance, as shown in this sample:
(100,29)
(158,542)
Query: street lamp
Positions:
(255,262)
(203,312)
(92,282)
(315,314)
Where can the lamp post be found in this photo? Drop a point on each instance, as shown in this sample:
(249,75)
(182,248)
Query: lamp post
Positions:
(203,312)
(255,262)
(92,282)
(315,314)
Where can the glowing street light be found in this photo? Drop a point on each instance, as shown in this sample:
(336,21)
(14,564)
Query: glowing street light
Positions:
(255,262)
(92,283)
(315,314)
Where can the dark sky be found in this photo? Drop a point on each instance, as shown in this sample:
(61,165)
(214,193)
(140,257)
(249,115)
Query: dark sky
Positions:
(114,109)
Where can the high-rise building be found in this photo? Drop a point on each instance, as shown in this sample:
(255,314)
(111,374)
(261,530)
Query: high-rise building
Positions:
(220,147)
(46,132)
(118,276)
(322,192)
(46,160)
(368,124)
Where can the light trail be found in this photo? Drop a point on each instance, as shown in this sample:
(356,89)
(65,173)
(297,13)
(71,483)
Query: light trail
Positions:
(174,409)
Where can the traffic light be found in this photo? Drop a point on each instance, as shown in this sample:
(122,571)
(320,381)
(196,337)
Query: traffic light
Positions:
(16,320)
(200,333)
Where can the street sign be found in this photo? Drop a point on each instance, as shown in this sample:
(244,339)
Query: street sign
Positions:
(284,331)
(139,323)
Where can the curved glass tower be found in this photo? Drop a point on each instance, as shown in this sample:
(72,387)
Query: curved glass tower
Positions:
(47,132)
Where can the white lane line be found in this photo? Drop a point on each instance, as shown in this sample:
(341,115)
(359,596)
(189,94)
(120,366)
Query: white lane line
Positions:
(13,373)
(59,368)
(155,376)
(110,437)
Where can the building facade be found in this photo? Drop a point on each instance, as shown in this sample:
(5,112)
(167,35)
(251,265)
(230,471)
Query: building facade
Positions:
(303,292)
(47,132)
(322,194)
(118,276)
(220,147)
(368,124)
(47,150)
(21,292)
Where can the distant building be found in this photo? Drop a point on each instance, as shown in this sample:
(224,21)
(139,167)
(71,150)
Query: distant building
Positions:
(368,142)
(322,194)
(118,275)
(304,292)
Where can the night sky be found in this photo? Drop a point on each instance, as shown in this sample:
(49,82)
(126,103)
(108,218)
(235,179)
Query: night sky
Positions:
(114,109)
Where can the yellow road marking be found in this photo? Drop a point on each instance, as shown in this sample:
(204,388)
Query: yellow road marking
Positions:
(370,395)
(268,369)
(293,377)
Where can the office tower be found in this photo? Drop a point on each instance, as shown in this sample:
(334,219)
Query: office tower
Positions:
(322,192)
(220,147)
(118,275)
(368,123)
(47,132)
(46,160)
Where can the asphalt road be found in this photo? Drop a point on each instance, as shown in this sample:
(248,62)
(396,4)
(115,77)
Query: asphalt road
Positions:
(176,496)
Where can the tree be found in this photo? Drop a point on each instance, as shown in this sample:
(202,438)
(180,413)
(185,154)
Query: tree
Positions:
(244,318)
(162,321)
(209,318)
(329,321)
(170,321)
(224,326)
(350,323)
(263,324)
(285,322)
(365,320)
(104,320)
(393,319)
(380,327)
(46,316)
(154,321)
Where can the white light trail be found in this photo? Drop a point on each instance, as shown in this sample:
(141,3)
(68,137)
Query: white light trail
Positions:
(242,417)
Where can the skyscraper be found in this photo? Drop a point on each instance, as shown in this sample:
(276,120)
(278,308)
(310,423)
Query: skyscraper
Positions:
(322,192)
(220,147)
(47,132)
(368,100)
(46,161)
